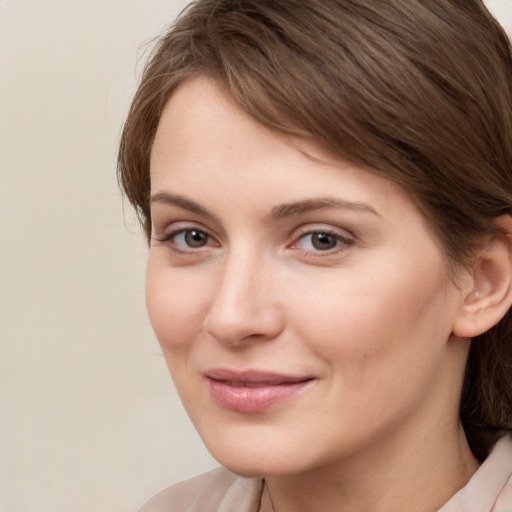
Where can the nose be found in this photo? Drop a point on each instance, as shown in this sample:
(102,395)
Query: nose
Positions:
(244,306)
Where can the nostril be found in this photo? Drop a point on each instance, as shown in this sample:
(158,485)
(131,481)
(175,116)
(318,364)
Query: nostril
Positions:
(243,323)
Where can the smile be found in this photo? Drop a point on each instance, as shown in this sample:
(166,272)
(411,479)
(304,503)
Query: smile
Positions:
(252,392)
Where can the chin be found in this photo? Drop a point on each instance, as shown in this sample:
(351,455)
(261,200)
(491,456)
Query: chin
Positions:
(254,456)
(254,468)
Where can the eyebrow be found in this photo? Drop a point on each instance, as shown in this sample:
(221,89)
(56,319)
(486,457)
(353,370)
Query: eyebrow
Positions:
(322,203)
(181,202)
(278,212)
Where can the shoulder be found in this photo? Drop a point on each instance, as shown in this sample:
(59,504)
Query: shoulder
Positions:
(215,491)
(504,501)
(490,488)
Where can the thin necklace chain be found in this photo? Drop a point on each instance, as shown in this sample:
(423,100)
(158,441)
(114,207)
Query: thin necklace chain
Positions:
(270,497)
(271,502)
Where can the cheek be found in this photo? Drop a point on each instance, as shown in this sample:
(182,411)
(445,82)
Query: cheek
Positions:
(375,317)
(175,307)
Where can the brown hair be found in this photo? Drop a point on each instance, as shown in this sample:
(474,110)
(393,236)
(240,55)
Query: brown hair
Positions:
(417,91)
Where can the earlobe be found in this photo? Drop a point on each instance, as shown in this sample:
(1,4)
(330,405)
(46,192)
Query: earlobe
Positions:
(489,296)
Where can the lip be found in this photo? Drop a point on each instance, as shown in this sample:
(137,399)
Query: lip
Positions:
(252,391)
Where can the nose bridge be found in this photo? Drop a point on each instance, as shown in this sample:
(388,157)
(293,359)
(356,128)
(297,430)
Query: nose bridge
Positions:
(243,305)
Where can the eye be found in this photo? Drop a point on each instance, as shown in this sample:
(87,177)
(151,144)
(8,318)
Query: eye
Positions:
(322,241)
(191,238)
(187,240)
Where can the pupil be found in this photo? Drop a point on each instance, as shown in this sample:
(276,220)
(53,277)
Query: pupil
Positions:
(323,241)
(195,238)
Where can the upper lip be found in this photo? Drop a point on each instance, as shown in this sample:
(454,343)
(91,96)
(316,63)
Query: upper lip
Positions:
(254,376)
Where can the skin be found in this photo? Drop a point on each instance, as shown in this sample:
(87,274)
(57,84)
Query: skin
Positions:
(368,316)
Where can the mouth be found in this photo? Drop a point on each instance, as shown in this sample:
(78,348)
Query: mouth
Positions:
(252,391)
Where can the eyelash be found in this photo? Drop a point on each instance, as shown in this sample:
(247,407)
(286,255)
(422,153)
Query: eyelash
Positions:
(342,242)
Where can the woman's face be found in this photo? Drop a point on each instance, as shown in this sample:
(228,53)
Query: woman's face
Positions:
(303,307)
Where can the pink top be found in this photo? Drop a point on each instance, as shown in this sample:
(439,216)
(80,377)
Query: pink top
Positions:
(489,490)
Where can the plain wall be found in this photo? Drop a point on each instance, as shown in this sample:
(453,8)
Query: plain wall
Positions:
(89,418)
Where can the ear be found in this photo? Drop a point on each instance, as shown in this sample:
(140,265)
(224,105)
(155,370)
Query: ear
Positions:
(487,295)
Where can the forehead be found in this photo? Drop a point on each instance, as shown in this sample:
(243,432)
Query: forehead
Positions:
(204,130)
(201,112)
(201,120)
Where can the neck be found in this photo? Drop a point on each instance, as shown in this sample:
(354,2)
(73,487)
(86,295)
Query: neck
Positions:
(397,477)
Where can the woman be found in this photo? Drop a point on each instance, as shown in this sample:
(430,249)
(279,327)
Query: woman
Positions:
(326,187)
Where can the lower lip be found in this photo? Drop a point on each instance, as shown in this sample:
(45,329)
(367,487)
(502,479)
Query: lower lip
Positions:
(252,399)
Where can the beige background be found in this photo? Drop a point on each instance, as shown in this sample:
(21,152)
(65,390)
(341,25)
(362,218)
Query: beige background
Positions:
(89,418)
